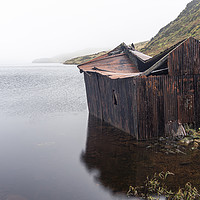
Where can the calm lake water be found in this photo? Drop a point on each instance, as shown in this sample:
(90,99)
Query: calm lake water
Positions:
(51,149)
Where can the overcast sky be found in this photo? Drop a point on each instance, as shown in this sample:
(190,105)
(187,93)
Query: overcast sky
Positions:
(32,29)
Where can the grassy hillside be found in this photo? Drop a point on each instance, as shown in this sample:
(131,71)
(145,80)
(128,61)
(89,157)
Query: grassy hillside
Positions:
(185,25)
(140,45)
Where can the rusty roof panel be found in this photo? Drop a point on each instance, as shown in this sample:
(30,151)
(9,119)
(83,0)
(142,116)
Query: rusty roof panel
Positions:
(118,64)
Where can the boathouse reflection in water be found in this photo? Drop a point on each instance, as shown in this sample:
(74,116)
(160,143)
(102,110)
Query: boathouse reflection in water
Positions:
(121,161)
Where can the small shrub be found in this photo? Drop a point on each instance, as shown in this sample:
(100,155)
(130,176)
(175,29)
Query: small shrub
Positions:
(156,186)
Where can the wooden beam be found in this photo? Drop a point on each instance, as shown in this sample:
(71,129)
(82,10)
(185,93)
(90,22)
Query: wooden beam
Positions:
(155,66)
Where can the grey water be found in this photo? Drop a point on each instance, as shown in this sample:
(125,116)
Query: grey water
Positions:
(43,133)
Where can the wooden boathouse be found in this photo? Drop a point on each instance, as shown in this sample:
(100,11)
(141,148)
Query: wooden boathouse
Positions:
(145,96)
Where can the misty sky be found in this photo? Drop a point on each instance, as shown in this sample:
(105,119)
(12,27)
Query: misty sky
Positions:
(32,29)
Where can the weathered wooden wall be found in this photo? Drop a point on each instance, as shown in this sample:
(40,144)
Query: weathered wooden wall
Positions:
(145,107)
(150,107)
(113,100)
(185,59)
(93,94)
(165,101)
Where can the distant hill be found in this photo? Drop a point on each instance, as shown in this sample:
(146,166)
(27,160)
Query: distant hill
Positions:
(63,57)
(185,25)
(81,59)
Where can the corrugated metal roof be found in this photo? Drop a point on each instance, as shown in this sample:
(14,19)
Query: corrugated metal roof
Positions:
(118,64)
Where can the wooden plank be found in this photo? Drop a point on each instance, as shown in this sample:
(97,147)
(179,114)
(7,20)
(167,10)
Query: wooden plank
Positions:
(155,66)
(93,95)
(185,59)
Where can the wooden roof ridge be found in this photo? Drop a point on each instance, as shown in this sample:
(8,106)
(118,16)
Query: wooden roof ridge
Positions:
(104,56)
(163,58)
(127,51)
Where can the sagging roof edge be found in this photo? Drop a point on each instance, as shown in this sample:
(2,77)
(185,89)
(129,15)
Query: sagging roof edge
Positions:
(114,76)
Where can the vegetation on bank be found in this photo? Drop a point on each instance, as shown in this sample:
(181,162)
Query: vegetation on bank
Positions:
(156,186)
